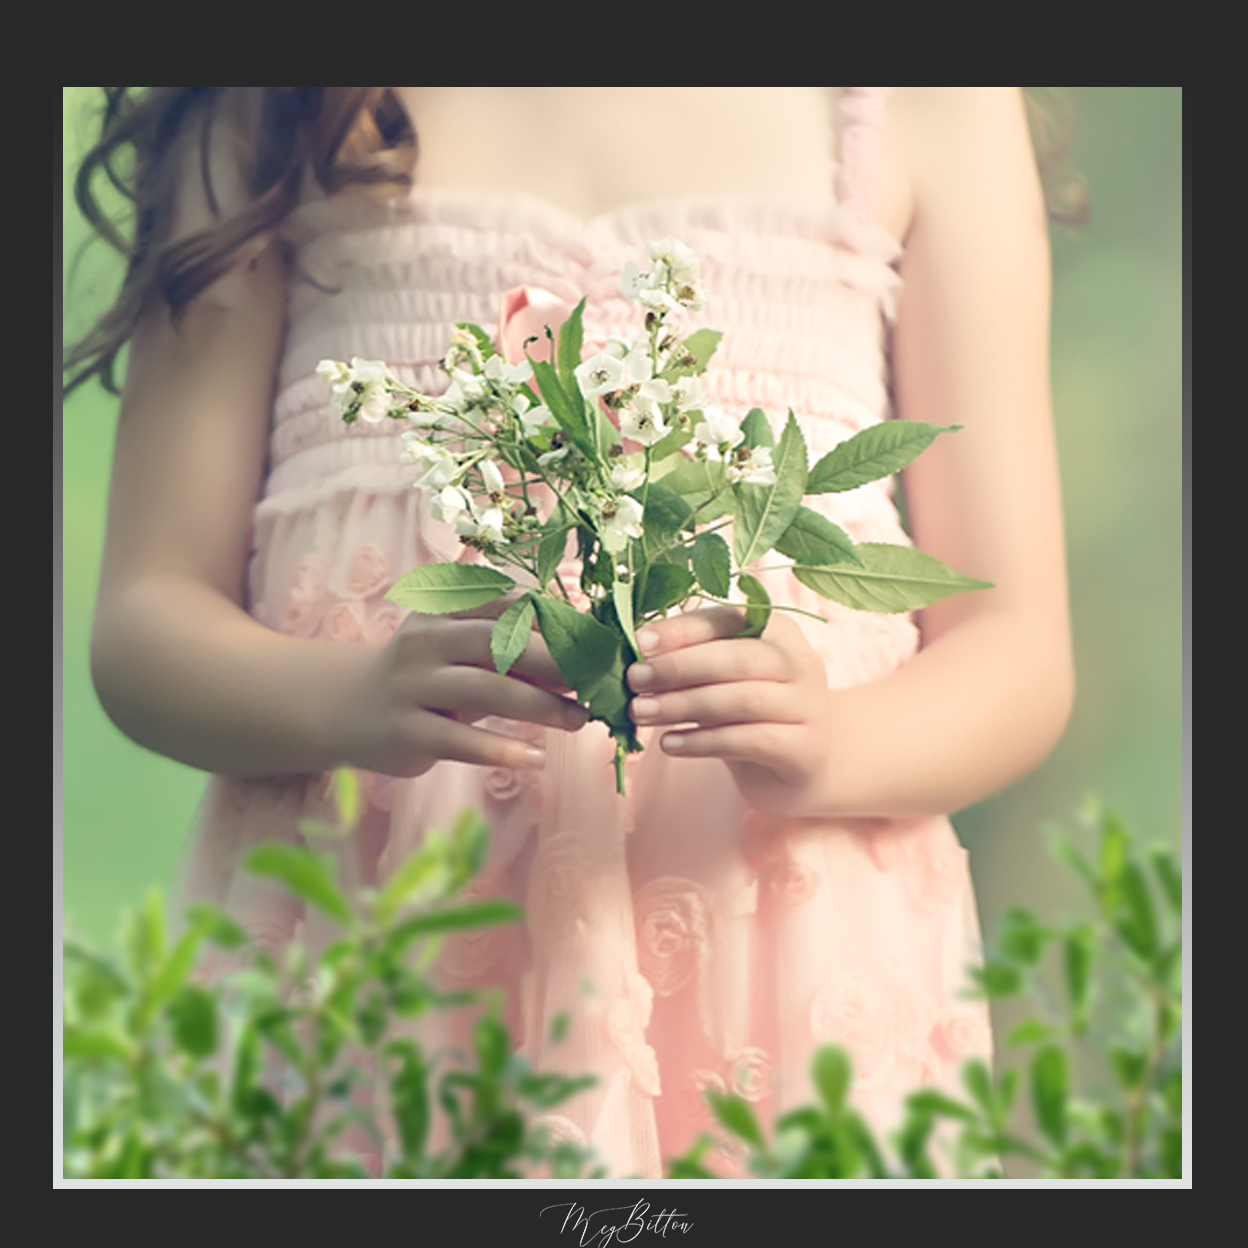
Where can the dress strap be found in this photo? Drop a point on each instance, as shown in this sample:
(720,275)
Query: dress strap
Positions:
(859,120)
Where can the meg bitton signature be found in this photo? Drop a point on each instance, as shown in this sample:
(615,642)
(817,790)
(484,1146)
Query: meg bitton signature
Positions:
(599,1228)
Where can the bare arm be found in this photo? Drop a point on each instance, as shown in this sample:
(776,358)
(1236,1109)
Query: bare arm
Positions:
(178,664)
(989,693)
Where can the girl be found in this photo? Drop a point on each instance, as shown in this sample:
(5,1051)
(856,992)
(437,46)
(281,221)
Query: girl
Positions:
(782,873)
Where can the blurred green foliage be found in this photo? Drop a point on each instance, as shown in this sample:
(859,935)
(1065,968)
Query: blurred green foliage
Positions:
(270,1072)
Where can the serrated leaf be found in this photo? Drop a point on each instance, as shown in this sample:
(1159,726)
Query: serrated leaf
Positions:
(757,428)
(306,876)
(712,564)
(764,512)
(590,656)
(193,1013)
(758,610)
(622,598)
(872,453)
(570,335)
(566,406)
(444,588)
(511,633)
(813,540)
(550,553)
(890,579)
(1050,1081)
(666,584)
(666,510)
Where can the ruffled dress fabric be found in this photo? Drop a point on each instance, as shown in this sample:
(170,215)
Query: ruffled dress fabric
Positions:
(692,943)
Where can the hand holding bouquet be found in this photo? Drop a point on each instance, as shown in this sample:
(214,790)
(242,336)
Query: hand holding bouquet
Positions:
(624,453)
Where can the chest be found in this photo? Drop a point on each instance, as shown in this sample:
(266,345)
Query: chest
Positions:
(589,150)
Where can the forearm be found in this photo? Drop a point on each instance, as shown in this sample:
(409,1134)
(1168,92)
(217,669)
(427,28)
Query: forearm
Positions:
(967,716)
(183,671)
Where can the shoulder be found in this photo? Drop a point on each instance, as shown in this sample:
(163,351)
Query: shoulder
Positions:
(957,154)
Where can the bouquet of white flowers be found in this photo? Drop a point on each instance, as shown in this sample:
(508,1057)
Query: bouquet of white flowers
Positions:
(645,472)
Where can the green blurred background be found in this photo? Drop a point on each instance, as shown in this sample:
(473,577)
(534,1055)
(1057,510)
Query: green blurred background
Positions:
(1117,367)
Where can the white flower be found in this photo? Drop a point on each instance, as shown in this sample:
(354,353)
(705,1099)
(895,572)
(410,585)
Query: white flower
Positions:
(600,374)
(465,389)
(682,262)
(554,456)
(621,521)
(690,394)
(448,503)
(643,422)
(369,371)
(532,418)
(488,527)
(441,467)
(463,349)
(716,428)
(497,369)
(625,478)
(492,477)
(755,469)
(633,281)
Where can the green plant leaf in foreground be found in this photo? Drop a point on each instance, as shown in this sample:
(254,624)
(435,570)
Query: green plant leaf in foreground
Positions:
(758,610)
(305,874)
(813,540)
(872,453)
(444,588)
(891,578)
(590,656)
(511,633)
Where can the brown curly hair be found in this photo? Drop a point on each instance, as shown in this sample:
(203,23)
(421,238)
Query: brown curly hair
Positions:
(343,135)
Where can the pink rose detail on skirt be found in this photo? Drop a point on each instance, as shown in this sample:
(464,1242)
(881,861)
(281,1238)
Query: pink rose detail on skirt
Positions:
(673,931)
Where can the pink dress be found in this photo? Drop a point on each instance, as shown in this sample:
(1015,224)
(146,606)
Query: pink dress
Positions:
(692,943)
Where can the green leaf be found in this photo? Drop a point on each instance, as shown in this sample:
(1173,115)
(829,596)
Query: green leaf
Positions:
(566,406)
(1050,1081)
(1033,1032)
(217,927)
(1172,1153)
(1022,938)
(757,428)
(701,345)
(305,874)
(665,585)
(622,597)
(1063,849)
(890,579)
(1129,1066)
(177,967)
(874,452)
(764,512)
(830,1071)
(758,612)
(997,979)
(736,1116)
(88,1044)
(443,588)
(813,540)
(511,633)
(1136,923)
(1168,876)
(1077,967)
(193,1013)
(666,511)
(936,1104)
(570,335)
(712,564)
(590,656)
(476,914)
(978,1082)
(347,796)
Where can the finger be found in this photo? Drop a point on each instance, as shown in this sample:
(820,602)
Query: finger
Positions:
(713,663)
(467,641)
(471,693)
(738,702)
(462,743)
(690,628)
(774,746)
